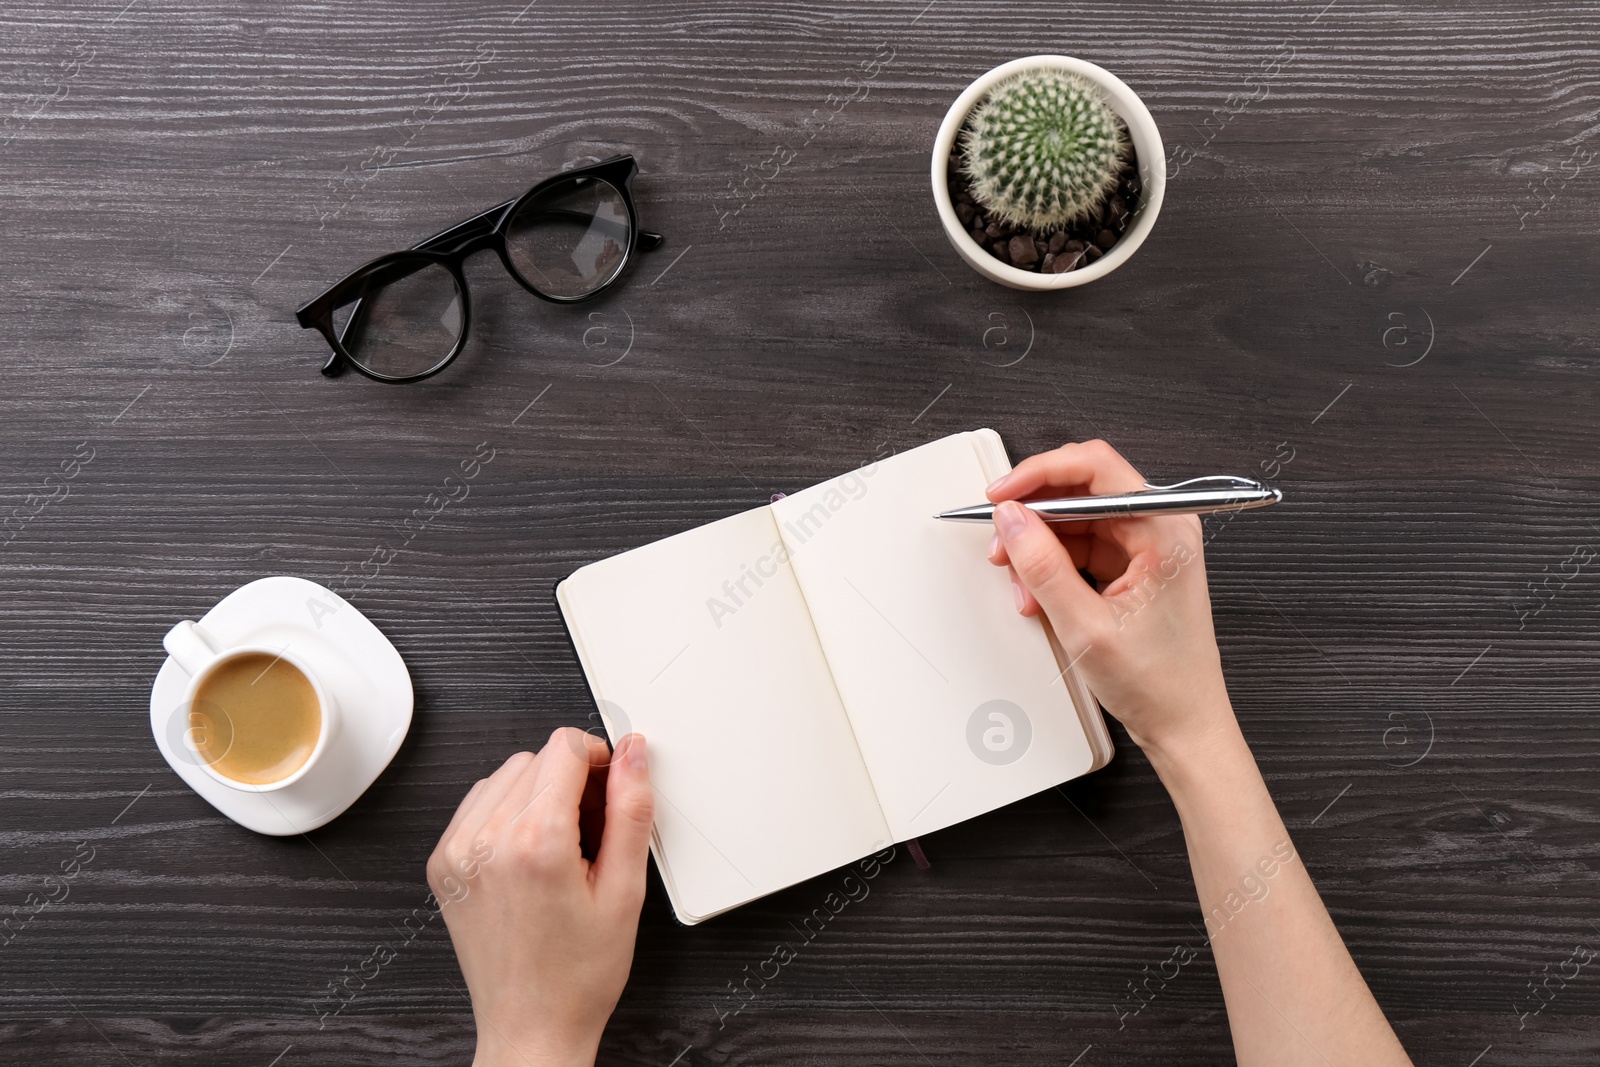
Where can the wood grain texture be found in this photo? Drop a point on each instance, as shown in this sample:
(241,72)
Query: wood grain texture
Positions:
(184,176)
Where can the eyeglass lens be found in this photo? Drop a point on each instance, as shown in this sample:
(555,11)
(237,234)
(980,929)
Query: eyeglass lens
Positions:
(571,238)
(407,322)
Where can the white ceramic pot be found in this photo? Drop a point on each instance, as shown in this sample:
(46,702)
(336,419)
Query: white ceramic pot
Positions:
(1146,143)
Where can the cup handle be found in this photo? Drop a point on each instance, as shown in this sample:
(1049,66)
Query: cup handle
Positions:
(189,645)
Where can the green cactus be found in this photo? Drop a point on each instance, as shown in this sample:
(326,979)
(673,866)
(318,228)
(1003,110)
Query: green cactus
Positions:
(1043,149)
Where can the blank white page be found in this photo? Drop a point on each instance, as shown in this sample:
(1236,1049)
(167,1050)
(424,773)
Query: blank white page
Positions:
(702,643)
(922,637)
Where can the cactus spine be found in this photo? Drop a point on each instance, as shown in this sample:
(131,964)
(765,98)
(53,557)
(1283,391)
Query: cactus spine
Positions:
(1043,149)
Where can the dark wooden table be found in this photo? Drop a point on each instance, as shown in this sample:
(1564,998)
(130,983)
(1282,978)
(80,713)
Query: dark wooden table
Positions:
(1377,281)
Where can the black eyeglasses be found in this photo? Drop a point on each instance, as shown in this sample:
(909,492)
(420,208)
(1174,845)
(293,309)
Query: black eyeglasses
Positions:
(567,239)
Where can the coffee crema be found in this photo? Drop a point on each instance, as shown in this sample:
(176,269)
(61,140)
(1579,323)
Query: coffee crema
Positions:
(255,719)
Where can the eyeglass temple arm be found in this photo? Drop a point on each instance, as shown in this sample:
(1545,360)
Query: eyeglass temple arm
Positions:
(477,226)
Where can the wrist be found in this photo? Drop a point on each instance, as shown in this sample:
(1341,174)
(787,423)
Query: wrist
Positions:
(1204,747)
(499,1049)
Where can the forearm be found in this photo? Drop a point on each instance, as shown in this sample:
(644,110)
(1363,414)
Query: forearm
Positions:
(1294,995)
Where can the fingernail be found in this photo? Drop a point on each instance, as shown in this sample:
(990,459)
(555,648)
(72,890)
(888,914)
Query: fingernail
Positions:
(1016,595)
(1009,520)
(994,546)
(636,754)
(995,485)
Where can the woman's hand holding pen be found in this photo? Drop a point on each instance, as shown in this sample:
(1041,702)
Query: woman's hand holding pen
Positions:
(1144,642)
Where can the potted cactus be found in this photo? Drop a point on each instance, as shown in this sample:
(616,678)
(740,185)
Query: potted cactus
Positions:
(1048,172)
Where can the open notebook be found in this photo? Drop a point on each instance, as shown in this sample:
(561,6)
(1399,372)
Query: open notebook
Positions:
(826,675)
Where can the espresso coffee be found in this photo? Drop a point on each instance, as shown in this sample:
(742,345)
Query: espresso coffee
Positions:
(255,719)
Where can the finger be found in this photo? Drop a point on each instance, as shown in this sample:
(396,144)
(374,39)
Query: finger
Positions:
(1097,469)
(463,810)
(1140,569)
(1079,547)
(583,742)
(630,809)
(564,765)
(494,787)
(463,807)
(1107,561)
(586,748)
(1093,466)
(1044,569)
(1027,603)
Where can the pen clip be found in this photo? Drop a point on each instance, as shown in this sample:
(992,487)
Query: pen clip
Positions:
(1213,481)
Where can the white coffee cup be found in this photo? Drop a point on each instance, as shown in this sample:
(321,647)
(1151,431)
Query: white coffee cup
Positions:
(199,655)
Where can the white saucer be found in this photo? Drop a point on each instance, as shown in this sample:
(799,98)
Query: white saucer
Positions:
(350,656)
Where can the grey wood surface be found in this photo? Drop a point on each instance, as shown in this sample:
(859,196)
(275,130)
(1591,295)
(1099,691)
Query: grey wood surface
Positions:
(177,178)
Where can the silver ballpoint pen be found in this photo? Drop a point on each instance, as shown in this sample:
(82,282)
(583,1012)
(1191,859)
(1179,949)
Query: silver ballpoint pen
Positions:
(1197,496)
